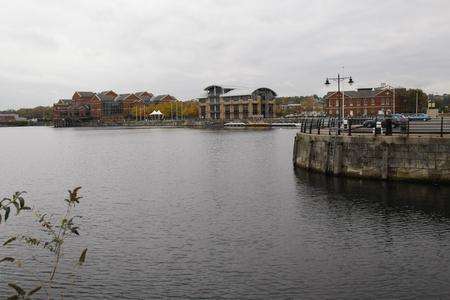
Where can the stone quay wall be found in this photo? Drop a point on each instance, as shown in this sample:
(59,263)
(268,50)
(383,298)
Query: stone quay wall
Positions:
(416,158)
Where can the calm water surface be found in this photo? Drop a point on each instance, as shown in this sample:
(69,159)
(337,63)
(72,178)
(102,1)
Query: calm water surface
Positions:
(180,213)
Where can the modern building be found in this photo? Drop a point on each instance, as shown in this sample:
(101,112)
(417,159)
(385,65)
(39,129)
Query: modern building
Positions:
(228,103)
(102,108)
(362,102)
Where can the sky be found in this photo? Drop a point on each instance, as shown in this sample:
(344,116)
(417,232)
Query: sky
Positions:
(51,48)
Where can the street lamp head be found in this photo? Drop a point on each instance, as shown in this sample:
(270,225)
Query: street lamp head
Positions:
(350,81)
(327,82)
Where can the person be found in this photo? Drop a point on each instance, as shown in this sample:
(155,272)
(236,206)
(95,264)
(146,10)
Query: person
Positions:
(388,122)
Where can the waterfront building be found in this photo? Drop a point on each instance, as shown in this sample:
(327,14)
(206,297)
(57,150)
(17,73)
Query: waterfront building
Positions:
(359,103)
(6,118)
(227,103)
(105,107)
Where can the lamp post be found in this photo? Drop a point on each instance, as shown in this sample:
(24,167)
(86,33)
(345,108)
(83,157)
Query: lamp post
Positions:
(393,88)
(340,78)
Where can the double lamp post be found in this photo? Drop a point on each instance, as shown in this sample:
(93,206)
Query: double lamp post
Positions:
(340,78)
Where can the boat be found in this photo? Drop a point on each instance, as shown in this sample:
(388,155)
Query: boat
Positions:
(258,124)
(286,124)
(235,124)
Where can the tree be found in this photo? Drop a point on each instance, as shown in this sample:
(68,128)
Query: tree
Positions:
(405,100)
(57,234)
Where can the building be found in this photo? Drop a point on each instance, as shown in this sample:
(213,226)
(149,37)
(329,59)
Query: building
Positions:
(163,98)
(300,105)
(105,107)
(10,118)
(359,103)
(227,103)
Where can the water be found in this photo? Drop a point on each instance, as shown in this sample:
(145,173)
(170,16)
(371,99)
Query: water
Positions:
(181,213)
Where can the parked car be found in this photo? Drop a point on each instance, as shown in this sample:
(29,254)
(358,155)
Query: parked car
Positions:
(397,120)
(419,117)
(372,122)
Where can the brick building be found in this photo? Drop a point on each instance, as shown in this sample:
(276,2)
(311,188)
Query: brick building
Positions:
(225,103)
(362,102)
(101,108)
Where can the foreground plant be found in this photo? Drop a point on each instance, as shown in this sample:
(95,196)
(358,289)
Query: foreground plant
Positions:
(56,235)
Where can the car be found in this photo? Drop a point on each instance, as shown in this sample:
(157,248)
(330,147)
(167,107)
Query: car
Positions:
(372,122)
(419,117)
(399,119)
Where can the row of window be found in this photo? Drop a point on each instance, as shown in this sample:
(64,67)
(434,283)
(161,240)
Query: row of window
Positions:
(384,101)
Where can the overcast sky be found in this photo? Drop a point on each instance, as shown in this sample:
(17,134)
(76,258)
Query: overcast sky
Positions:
(50,48)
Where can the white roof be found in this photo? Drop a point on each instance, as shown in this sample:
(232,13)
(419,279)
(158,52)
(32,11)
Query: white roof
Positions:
(156,113)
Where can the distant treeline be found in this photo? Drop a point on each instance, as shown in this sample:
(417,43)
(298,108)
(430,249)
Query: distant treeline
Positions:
(44,113)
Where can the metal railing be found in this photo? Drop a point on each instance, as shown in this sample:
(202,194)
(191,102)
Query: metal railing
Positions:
(317,125)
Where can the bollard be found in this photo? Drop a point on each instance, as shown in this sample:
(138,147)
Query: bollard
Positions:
(377,129)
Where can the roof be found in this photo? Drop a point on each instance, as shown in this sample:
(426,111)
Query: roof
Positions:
(159,98)
(245,92)
(238,92)
(85,94)
(145,96)
(104,97)
(121,97)
(64,101)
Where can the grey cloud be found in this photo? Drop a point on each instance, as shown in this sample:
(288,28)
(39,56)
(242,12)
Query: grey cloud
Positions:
(52,47)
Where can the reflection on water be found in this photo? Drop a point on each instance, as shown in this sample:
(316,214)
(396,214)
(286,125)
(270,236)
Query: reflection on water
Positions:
(178,213)
(394,196)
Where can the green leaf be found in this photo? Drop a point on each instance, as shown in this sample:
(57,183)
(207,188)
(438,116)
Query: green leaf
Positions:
(10,240)
(35,290)
(82,257)
(18,289)
(7,211)
(21,202)
(8,259)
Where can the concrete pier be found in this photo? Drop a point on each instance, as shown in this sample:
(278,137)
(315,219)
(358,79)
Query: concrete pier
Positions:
(414,157)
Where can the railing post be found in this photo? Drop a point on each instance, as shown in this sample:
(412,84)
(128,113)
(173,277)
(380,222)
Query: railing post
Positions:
(407,131)
(310,126)
(442,126)
(329,127)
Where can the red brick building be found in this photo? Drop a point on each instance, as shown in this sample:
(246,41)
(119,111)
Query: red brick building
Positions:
(104,107)
(359,103)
